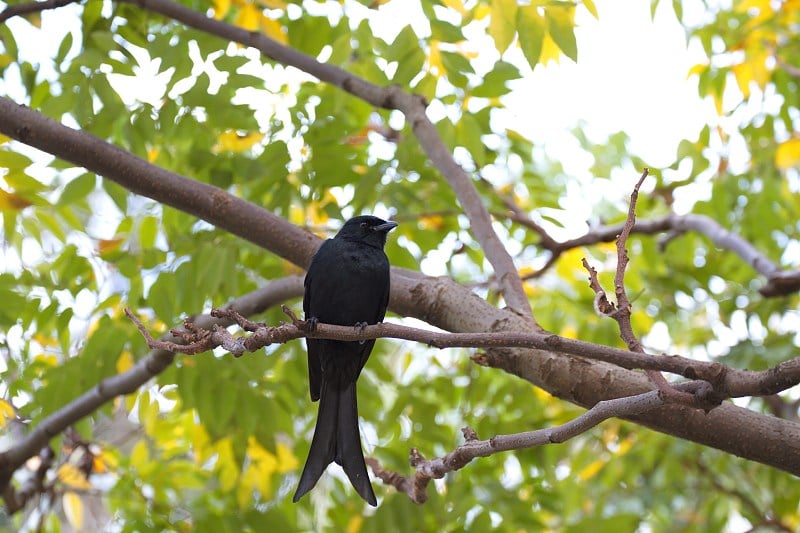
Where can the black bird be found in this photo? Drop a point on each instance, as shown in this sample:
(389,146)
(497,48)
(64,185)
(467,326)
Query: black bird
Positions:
(347,284)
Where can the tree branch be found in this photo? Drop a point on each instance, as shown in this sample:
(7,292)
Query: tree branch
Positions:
(32,7)
(779,282)
(427,469)
(725,381)
(621,312)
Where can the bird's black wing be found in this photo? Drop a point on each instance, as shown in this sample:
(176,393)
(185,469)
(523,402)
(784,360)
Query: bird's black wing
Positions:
(380,311)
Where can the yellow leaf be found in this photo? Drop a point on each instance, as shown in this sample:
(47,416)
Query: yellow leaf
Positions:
(626,445)
(233,141)
(457,5)
(140,455)
(93,326)
(35,19)
(287,461)
(569,332)
(787,154)
(124,361)
(274,30)
(591,470)
(45,341)
(570,263)
(481,11)
(315,212)
(152,154)
(200,444)
(435,65)
(73,509)
(717,96)
(109,246)
(47,358)
(226,465)
(503,23)
(69,475)
(607,247)
(272,4)
(431,222)
(6,413)
(248,17)
(3,138)
(550,51)
(221,8)
(697,70)
(12,201)
(247,484)
(355,523)
(757,10)
(589,5)
(103,462)
(530,289)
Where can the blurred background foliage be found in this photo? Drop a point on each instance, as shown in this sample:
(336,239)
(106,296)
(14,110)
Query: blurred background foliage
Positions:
(215,444)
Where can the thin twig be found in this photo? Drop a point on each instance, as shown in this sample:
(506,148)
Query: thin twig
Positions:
(621,312)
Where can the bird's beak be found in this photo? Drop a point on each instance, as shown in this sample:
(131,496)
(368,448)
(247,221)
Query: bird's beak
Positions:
(386,227)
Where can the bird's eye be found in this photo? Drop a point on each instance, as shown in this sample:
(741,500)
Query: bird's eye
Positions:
(364,225)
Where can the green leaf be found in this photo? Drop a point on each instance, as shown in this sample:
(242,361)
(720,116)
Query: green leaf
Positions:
(409,66)
(162,297)
(532,27)
(426,86)
(406,41)
(561,25)
(445,32)
(77,189)
(456,65)
(148,231)
(13,160)
(503,23)
(495,82)
(468,135)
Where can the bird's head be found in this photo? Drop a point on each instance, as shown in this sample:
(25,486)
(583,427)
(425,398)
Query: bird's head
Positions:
(368,229)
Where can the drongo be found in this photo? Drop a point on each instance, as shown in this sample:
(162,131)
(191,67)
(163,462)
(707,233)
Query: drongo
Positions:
(347,284)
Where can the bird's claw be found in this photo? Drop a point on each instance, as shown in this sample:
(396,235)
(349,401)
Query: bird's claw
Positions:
(361,326)
(311,324)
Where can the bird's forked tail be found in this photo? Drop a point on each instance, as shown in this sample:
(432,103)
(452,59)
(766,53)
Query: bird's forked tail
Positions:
(336,438)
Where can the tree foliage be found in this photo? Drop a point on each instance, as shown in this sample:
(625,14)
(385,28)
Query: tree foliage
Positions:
(214,442)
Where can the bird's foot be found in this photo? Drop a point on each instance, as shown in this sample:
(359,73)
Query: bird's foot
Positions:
(361,326)
(311,324)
